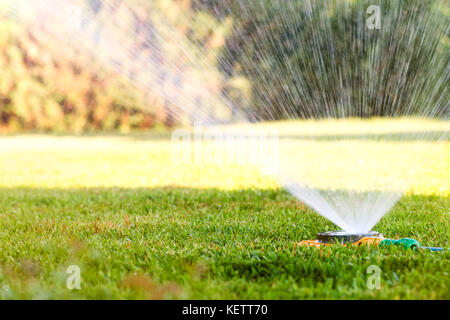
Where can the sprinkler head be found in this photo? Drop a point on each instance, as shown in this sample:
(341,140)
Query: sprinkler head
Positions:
(345,237)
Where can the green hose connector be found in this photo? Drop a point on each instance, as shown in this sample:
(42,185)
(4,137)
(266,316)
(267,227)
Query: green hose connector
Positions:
(406,243)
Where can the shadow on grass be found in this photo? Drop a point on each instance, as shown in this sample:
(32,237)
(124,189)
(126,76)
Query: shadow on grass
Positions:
(165,135)
(394,136)
(389,136)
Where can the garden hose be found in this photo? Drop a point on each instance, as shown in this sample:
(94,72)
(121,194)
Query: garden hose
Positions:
(406,243)
(374,239)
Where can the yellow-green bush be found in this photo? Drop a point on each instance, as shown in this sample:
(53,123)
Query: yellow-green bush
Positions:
(41,90)
(48,84)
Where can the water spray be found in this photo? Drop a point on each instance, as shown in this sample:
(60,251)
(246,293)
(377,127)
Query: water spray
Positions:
(371,238)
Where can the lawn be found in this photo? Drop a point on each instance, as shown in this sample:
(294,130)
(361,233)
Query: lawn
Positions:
(142,226)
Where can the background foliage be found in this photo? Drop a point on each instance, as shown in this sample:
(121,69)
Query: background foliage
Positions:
(44,86)
(40,88)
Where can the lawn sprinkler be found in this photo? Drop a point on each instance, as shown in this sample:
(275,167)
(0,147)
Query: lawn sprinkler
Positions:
(371,238)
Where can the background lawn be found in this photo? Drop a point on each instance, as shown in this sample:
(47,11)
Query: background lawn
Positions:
(140,226)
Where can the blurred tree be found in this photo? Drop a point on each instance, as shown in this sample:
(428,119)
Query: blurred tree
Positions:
(51,83)
(272,59)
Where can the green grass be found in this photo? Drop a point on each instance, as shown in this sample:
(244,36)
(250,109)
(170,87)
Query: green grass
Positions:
(141,227)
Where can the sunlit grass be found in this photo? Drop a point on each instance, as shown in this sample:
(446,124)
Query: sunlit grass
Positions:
(134,161)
